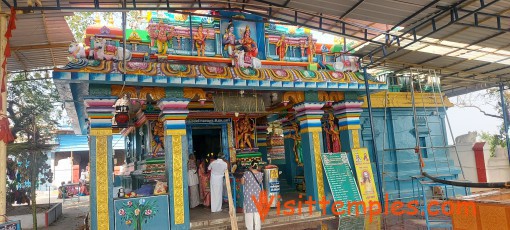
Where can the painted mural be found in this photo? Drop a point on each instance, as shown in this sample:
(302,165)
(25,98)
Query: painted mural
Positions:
(226,45)
(142,213)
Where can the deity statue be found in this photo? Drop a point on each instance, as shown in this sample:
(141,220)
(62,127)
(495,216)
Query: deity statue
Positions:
(281,48)
(152,30)
(165,34)
(298,149)
(199,38)
(311,48)
(245,134)
(302,46)
(249,45)
(333,135)
(229,39)
(157,137)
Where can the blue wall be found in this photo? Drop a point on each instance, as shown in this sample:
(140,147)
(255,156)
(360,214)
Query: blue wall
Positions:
(400,166)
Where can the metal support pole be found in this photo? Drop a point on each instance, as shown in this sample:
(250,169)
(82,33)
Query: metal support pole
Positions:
(3,112)
(505,116)
(374,146)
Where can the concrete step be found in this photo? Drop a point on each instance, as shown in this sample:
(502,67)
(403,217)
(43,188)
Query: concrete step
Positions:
(271,221)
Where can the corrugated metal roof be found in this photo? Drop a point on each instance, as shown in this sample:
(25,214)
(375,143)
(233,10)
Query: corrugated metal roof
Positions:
(454,49)
(71,142)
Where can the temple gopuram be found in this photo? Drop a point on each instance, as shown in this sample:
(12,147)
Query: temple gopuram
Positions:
(248,88)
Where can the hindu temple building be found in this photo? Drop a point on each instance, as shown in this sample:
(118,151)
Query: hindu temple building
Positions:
(251,89)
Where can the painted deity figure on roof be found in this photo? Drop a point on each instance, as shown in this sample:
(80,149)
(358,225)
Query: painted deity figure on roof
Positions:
(164,35)
(229,40)
(281,48)
(310,48)
(199,38)
(249,45)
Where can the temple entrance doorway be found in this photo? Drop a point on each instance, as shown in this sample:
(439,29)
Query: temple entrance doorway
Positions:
(206,140)
(207,136)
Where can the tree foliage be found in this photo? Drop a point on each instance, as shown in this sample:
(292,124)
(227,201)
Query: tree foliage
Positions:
(81,20)
(491,97)
(34,110)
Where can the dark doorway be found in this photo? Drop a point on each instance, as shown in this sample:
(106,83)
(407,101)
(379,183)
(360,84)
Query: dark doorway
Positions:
(206,139)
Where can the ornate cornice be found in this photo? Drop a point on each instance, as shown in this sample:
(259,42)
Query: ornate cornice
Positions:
(403,100)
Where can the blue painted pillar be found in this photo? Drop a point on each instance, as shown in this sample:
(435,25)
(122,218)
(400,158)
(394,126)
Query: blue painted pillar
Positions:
(174,112)
(309,115)
(100,112)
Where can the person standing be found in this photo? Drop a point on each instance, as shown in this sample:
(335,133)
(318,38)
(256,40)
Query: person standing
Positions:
(205,190)
(194,198)
(252,186)
(217,168)
(83,177)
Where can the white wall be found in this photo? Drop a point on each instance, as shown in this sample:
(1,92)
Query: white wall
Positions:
(63,171)
(467,159)
(497,167)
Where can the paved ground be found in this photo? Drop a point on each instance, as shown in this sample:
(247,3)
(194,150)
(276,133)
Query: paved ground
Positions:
(73,211)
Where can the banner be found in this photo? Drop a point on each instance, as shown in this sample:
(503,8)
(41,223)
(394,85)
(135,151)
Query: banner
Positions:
(365,176)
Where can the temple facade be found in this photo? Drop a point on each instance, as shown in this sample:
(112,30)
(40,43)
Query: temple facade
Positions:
(250,89)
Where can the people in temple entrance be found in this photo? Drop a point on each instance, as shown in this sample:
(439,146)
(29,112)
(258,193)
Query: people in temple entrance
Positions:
(205,190)
(252,182)
(281,48)
(194,197)
(249,45)
(217,168)
(229,39)
(298,150)
(199,38)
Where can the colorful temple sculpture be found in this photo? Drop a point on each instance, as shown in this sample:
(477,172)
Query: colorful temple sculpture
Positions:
(234,84)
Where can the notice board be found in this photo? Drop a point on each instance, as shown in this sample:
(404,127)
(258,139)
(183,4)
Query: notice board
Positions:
(341,181)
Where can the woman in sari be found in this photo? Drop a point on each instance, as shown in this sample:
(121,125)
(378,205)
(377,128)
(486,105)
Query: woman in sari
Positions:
(205,191)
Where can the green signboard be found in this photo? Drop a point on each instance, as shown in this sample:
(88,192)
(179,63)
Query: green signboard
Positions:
(341,182)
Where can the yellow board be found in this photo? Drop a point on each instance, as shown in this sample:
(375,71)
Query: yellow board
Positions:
(365,176)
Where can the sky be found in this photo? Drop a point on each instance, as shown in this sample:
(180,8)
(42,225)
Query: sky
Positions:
(463,120)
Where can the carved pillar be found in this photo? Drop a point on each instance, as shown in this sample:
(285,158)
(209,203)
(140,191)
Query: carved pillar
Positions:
(261,141)
(309,115)
(348,112)
(174,112)
(100,112)
(291,166)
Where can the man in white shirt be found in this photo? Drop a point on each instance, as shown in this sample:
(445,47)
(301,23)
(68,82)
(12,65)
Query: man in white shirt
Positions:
(217,168)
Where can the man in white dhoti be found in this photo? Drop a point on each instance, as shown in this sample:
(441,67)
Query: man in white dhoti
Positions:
(217,168)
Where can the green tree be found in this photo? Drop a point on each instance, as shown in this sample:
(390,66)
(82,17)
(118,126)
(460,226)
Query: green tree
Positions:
(81,20)
(34,110)
(491,97)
